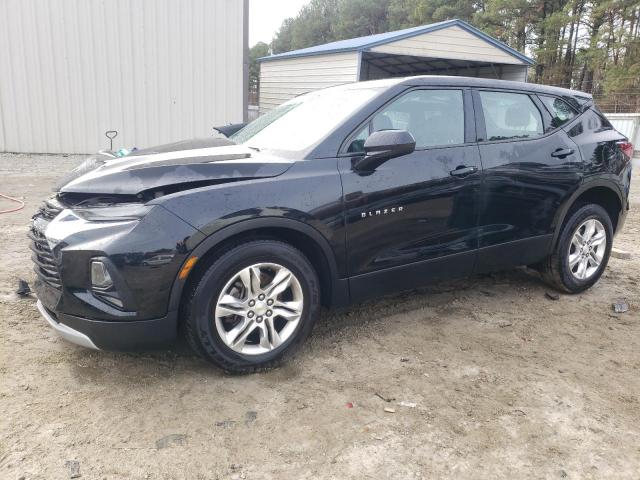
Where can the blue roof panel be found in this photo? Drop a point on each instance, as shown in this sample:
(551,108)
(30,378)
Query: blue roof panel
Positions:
(364,43)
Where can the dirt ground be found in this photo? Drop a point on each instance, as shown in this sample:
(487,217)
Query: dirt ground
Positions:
(488,379)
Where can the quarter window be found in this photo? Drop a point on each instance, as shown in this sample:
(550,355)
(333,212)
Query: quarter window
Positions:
(357,144)
(510,115)
(560,111)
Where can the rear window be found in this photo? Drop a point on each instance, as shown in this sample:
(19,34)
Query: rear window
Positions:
(510,115)
(560,111)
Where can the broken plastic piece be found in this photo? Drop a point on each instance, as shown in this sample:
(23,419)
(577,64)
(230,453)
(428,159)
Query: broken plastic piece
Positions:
(620,306)
(23,288)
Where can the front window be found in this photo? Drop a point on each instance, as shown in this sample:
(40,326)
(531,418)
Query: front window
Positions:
(303,121)
(434,117)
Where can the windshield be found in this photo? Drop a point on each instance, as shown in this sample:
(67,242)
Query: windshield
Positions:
(303,121)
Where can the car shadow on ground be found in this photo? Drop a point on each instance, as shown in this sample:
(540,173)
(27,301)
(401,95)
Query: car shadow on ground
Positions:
(332,326)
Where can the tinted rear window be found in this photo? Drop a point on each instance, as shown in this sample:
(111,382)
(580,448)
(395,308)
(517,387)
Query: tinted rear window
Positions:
(510,115)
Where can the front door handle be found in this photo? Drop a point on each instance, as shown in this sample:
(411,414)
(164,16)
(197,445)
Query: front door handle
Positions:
(562,152)
(463,171)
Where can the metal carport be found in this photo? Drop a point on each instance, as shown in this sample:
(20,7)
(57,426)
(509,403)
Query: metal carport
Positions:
(453,47)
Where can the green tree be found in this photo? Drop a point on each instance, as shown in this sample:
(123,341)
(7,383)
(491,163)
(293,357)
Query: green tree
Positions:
(259,50)
(357,18)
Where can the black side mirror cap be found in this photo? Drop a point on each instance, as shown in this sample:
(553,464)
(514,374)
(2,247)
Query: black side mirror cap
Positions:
(228,130)
(384,145)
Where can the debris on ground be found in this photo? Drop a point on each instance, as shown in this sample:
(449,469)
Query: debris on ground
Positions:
(620,306)
(408,404)
(23,288)
(250,417)
(349,405)
(226,423)
(389,410)
(552,295)
(404,359)
(620,254)
(173,439)
(389,399)
(74,468)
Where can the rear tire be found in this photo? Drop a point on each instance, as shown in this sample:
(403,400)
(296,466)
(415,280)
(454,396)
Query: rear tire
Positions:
(253,306)
(582,251)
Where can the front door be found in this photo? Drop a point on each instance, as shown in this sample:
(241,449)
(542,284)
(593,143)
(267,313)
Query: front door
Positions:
(414,219)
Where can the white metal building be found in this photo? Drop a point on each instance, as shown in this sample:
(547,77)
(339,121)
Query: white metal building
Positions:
(154,70)
(453,47)
(629,125)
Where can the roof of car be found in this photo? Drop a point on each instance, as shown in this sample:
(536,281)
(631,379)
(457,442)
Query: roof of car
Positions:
(369,41)
(444,80)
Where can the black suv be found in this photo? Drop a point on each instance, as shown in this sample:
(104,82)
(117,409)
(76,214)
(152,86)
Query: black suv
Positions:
(333,197)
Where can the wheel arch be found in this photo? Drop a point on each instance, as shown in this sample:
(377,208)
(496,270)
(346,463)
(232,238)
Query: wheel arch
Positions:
(298,234)
(601,192)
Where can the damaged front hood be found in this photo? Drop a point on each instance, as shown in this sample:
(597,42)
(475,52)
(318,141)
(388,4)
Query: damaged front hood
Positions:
(172,167)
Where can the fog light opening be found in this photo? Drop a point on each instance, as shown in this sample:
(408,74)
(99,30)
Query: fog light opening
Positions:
(100,277)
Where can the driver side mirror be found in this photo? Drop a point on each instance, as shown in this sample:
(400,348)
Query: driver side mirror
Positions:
(384,145)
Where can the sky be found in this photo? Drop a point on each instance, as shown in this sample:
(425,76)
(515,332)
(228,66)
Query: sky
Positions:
(266,16)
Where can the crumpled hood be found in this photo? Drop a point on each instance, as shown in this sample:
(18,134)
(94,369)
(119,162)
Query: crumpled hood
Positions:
(198,162)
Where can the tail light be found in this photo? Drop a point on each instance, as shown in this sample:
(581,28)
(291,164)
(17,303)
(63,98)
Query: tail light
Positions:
(627,148)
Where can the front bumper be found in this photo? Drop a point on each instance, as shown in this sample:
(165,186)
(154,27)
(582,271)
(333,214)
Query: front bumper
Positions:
(68,333)
(108,335)
(143,257)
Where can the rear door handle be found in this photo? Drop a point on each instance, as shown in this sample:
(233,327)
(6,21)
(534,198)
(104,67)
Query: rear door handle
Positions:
(562,152)
(463,171)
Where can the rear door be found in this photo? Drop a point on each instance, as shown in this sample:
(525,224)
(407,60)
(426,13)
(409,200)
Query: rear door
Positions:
(530,165)
(414,218)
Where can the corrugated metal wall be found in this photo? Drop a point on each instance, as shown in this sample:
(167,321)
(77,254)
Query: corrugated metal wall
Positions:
(281,80)
(629,125)
(154,70)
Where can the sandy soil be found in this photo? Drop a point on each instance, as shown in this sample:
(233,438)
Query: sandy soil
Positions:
(488,379)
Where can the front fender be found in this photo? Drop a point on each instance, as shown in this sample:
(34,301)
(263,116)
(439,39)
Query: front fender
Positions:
(210,242)
(306,199)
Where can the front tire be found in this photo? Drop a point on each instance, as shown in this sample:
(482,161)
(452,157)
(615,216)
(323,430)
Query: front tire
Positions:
(253,307)
(582,251)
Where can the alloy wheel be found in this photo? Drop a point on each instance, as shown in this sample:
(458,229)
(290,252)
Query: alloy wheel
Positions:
(259,308)
(587,249)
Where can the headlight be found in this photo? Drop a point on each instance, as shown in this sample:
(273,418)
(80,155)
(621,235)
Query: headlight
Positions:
(113,213)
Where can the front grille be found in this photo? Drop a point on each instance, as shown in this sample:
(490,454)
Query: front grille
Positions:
(45,265)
